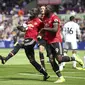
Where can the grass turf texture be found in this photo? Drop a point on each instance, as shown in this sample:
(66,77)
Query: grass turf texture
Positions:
(18,71)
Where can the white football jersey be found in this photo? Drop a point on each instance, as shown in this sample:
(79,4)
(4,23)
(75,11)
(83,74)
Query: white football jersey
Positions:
(70,31)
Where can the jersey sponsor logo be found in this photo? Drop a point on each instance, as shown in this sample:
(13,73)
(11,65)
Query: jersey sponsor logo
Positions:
(35,23)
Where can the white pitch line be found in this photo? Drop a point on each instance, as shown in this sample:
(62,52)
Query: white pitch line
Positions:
(67,72)
(52,76)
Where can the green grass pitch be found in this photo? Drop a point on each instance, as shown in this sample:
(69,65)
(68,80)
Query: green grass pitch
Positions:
(18,71)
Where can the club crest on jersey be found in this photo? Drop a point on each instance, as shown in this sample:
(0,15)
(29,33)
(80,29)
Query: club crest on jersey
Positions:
(35,23)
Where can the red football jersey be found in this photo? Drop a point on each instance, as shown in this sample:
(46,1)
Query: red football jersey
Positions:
(49,36)
(33,28)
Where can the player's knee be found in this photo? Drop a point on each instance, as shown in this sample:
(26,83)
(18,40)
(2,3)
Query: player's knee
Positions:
(21,44)
(16,49)
(51,58)
(59,58)
(18,45)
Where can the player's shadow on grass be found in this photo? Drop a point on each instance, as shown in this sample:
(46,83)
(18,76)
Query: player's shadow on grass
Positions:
(16,79)
(29,76)
(23,79)
(34,76)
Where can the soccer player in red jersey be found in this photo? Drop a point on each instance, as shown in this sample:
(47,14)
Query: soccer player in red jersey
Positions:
(31,33)
(53,37)
(41,42)
(17,45)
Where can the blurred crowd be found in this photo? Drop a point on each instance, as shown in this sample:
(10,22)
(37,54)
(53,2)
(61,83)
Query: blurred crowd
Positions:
(72,6)
(13,13)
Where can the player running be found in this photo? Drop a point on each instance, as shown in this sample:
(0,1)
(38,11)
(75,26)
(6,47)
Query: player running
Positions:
(71,31)
(53,37)
(42,42)
(31,32)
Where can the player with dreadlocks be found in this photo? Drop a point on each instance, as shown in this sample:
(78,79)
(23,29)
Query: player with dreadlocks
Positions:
(30,39)
(18,42)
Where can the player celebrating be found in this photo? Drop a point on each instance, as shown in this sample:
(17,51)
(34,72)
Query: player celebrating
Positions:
(18,44)
(31,33)
(41,41)
(53,36)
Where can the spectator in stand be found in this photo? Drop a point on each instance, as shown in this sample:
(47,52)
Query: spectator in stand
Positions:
(21,13)
(73,13)
(83,35)
(1,19)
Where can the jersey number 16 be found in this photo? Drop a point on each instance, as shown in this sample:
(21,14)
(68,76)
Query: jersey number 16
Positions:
(69,30)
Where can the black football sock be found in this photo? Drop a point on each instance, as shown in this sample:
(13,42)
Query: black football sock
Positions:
(39,68)
(13,52)
(43,72)
(67,59)
(55,67)
(42,59)
(58,73)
